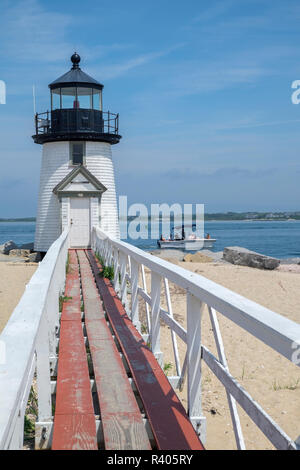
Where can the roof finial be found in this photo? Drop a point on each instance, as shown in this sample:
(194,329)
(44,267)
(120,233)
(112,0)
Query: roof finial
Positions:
(75,59)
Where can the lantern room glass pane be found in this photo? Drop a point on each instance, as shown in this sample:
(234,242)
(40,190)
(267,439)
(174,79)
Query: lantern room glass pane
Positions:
(55,99)
(97,100)
(68,98)
(84,98)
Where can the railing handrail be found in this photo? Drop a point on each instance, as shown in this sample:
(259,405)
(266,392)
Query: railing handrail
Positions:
(273,329)
(20,337)
(110,120)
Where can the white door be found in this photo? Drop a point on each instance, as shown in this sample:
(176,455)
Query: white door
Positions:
(80,222)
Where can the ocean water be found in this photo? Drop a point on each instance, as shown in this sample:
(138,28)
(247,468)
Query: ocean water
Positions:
(19,232)
(279,239)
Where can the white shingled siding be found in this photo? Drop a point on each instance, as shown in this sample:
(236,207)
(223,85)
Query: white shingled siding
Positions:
(55,166)
(99,163)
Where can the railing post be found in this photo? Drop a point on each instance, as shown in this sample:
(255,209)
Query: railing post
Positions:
(155,316)
(194,315)
(43,385)
(105,245)
(116,270)
(134,294)
(123,262)
(111,260)
(231,401)
(173,334)
(146,303)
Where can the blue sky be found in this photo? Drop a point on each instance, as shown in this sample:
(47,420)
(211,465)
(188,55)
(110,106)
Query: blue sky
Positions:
(203,89)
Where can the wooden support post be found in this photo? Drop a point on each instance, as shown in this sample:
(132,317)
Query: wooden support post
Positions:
(110,254)
(134,294)
(155,317)
(231,401)
(173,334)
(146,303)
(43,373)
(43,378)
(194,315)
(106,252)
(116,282)
(123,264)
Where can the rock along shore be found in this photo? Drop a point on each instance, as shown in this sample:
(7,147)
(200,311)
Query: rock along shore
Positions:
(24,253)
(232,255)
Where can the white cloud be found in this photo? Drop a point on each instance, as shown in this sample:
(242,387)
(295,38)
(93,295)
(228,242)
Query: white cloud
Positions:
(116,70)
(31,33)
(213,12)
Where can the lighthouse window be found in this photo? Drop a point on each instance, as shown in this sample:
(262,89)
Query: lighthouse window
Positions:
(84,98)
(77,151)
(68,98)
(55,99)
(97,100)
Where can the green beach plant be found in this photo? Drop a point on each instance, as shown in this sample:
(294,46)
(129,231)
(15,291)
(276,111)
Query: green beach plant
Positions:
(62,299)
(167,367)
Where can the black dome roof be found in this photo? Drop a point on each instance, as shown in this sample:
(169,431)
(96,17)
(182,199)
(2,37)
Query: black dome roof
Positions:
(75,76)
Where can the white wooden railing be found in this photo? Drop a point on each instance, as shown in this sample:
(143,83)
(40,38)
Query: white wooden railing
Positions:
(28,343)
(274,330)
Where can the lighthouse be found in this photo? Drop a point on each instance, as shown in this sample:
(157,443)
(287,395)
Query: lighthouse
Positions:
(77,183)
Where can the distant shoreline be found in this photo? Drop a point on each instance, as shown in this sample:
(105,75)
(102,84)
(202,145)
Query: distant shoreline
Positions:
(210,217)
(25,219)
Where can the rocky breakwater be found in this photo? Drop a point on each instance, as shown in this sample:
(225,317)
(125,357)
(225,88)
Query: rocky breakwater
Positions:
(23,253)
(244,257)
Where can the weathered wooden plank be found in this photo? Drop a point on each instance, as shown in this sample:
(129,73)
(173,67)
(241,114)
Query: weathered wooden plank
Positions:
(72,305)
(74,432)
(73,383)
(169,422)
(122,422)
(74,420)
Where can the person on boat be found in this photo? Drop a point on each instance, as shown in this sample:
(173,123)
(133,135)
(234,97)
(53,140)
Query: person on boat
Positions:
(207,236)
(162,239)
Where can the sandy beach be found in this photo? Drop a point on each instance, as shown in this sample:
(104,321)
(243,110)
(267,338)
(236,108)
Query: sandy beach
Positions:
(14,275)
(273,381)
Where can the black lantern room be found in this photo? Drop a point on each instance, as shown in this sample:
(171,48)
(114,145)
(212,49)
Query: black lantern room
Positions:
(76,110)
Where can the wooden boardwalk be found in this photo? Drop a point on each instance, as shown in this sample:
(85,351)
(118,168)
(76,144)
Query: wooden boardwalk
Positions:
(112,341)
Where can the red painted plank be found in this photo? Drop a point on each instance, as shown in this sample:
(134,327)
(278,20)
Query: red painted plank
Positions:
(169,422)
(74,420)
(122,423)
(73,393)
(72,308)
(74,432)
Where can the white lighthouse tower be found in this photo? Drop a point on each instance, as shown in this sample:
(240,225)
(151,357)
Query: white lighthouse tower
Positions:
(77,184)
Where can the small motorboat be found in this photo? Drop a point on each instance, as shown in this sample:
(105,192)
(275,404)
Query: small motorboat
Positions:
(181,239)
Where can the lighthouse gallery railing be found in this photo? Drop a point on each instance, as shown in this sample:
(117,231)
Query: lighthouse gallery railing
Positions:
(281,334)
